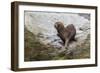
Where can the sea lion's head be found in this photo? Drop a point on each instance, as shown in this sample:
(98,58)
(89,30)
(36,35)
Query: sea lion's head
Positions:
(59,25)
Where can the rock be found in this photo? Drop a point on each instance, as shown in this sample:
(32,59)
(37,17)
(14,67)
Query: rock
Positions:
(42,25)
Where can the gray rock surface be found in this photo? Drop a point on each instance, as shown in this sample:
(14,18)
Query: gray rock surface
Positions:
(42,25)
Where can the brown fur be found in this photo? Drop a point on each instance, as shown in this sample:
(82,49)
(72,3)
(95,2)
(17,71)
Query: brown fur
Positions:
(66,34)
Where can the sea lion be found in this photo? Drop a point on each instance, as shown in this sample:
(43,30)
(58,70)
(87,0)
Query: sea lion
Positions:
(67,33)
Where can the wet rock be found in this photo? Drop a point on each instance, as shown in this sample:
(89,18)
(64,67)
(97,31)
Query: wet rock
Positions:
(42,25)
